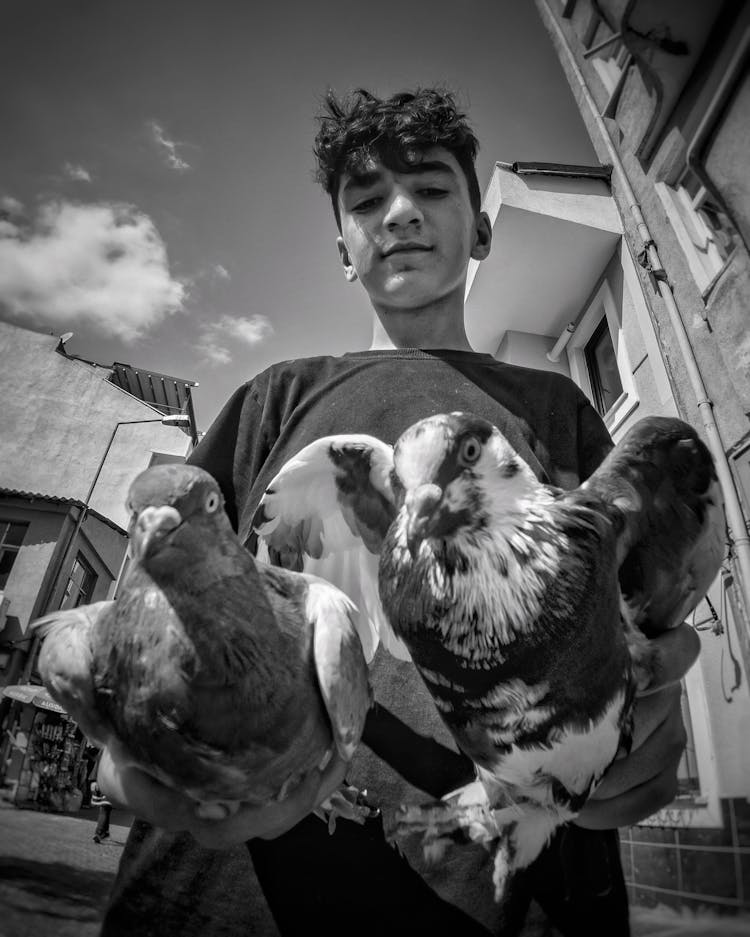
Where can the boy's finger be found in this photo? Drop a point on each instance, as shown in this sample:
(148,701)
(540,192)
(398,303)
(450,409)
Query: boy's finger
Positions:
(678,650)
(271,820)
(658,746)
(660,711)
(632,806)
(143,795)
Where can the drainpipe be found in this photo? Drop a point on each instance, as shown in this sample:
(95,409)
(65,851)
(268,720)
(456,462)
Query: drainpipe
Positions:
(557,349)
(738,531)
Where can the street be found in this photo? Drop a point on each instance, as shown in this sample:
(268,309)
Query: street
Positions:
(54,879)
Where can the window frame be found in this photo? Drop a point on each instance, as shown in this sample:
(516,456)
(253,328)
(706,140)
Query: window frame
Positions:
(706,266)
(11,547)
(612,64)
(81,597)
(600,306)
(703,809)
(592,366)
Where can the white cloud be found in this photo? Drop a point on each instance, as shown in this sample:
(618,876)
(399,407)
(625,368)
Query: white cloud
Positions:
(76,172)
(221,272)
(168,147)
(216,354)
(228,330)
(102,265)
(11,205)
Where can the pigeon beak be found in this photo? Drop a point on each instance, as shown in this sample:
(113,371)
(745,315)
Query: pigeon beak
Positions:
(420,507)
(151,528)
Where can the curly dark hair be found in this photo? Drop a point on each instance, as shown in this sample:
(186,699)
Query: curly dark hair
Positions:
(395,131)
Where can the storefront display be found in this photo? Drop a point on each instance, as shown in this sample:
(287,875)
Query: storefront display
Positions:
(51,773)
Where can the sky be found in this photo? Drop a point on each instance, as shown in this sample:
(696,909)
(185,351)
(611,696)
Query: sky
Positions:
(157,193)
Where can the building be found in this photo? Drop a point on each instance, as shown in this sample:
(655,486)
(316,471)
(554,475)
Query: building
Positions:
(633,277)
(74,434)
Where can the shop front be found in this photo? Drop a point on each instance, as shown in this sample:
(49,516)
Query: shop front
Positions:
(49,759)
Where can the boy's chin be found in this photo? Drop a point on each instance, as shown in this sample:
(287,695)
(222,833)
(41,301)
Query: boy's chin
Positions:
(410,296)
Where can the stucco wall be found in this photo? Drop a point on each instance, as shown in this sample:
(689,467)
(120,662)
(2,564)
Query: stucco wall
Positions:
(530,351)
(716,324)
(33,559)
(725,681)
(684,861)
(37,562)
(57,418)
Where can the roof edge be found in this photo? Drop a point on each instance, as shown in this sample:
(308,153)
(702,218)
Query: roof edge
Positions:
(58,499)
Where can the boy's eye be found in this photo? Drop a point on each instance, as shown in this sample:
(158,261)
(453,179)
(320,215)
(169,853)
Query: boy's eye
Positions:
(432,192)
(367,204)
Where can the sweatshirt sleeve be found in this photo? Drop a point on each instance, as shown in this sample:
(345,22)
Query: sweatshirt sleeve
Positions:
(594,441)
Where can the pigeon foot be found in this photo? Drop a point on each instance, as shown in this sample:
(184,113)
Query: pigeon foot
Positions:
(348,803)
(463,816)
(515,833)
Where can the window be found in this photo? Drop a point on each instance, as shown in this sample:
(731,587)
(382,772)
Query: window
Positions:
(697,803)
(703,228)
(688,779)
(80,587)
(601,362)
(165,458)
(611,63)
(609,55)
(11,540)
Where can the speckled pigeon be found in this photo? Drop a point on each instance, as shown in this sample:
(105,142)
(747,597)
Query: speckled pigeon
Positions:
(523,606)
(224,678)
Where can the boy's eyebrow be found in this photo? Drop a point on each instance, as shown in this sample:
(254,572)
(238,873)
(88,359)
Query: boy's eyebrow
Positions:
(361,180)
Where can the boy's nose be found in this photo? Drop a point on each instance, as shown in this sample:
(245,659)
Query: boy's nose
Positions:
(402,210)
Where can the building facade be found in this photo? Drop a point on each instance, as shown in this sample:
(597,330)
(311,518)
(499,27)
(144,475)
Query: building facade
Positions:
(633,277)
(74,434)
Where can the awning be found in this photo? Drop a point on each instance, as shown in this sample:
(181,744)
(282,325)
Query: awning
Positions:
(34,695)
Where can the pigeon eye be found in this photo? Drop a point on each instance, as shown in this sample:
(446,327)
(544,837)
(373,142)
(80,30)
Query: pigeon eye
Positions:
(470,450)
(211,503)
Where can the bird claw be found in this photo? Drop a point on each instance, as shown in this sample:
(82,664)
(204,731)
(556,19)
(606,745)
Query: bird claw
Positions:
(514,833)
(348,803)
(457,820)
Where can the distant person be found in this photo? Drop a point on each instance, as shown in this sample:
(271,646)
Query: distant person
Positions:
(100,800)
(87,773)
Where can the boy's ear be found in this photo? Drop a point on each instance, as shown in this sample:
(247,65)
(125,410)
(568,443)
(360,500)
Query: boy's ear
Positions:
(482,236)
(349,272)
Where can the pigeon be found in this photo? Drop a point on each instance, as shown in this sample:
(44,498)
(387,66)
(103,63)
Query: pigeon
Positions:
(525,608)
(224,678)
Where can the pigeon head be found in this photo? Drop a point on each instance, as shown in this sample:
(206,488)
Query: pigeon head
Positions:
(172,507)
(456,470)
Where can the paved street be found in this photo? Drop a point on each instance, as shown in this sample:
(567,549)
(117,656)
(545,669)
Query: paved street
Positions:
(54,879)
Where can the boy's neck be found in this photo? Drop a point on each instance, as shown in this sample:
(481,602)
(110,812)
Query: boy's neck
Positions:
(430,327)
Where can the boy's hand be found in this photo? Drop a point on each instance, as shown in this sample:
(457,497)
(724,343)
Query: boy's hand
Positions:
(637,785)
(138,792)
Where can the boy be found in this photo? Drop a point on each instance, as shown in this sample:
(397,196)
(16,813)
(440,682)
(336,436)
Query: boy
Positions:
(400,174)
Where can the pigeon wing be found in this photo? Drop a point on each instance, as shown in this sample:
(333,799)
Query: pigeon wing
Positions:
(326,513)
(660,488)
(66,664)
(339,663)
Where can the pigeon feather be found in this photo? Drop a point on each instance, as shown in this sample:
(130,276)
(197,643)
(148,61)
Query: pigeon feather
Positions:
(223,677)
(523,606)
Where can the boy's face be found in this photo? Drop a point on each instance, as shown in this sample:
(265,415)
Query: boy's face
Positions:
(409,235)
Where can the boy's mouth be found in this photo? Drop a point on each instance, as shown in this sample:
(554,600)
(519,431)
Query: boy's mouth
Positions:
(405,247)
